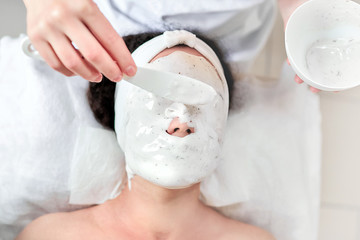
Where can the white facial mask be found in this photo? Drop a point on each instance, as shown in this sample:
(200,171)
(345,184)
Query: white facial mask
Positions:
(142,120)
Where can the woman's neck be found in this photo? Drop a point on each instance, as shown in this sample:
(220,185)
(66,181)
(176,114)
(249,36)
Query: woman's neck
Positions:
(154,212)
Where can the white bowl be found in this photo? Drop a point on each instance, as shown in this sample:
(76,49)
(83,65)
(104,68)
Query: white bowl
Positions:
(322,40)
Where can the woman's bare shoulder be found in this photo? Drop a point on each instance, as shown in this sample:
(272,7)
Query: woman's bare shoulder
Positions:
(225,228)
(55,226)
(236,230)
(44,227)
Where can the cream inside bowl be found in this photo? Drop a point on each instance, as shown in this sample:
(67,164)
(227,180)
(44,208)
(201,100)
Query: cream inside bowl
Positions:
(322,40)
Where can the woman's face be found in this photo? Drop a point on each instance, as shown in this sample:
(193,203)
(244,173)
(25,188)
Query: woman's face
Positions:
(169,143)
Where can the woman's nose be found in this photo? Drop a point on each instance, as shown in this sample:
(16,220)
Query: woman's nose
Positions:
(175,110)
(179,129)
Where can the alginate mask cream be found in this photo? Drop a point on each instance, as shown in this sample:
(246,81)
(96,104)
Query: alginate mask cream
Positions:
(141,121)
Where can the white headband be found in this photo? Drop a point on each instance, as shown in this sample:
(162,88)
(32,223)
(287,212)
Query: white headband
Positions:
(147,51)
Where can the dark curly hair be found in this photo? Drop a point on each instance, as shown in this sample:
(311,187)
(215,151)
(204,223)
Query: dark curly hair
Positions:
(101,95)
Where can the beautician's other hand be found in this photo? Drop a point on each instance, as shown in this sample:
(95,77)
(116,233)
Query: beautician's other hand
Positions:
(53,24)
(300,81)
(287,7)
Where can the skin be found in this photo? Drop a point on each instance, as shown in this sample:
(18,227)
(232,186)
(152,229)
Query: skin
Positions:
(52,25)
(179,129)
(147,211)
(287,7)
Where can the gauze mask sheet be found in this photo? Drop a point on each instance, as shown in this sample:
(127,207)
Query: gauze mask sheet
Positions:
(142,120)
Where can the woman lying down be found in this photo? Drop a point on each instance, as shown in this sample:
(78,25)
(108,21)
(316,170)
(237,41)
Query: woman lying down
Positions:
(169,149)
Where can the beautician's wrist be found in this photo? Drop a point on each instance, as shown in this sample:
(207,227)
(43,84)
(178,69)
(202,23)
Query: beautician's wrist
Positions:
(287,7)
(26,2)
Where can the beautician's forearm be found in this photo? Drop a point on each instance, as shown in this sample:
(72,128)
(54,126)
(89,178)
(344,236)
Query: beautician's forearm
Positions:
(287,7)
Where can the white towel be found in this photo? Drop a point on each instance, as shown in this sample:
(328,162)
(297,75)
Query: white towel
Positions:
(276,133)
(274,142)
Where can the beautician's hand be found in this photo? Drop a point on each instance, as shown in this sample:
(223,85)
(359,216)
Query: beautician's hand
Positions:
(53,24)
(300,81)
(287,7)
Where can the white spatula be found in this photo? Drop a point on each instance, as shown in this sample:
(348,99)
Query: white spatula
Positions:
(175,87)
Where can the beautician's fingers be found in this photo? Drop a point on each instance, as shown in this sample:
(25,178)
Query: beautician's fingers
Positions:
(298,79)
(314,90)
(44,18)
(110,40)
(92,51)
(288,62)
(51,58)
(73,60)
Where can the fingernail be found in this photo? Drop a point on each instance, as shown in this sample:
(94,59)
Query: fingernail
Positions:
(288,62)
(98,78)
(118,78)
(298,79)
(130,71)
(314,90)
